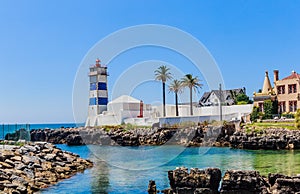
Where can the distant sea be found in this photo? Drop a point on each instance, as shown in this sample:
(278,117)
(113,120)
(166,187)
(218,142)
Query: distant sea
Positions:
(10,128)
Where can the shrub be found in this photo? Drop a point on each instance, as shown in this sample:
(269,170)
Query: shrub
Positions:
(288,115)
(255,114)
(269,109)
(242,102)
(242,98)
(297,119)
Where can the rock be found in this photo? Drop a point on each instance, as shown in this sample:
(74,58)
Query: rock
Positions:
(243,181)
(20,166)
(152,187)
(74,140)
(18,180)
(49,157)
(233,182)
(28,159)
(6,154)
(183,182)
(3,176)
(28,168)
(284,184)
(16,158)
(29,173)
(6,165)
(11,163)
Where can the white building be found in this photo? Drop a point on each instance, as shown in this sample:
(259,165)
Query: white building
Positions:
(126,109)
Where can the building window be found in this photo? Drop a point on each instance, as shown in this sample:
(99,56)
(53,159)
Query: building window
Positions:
(292,88)
(293,106)
(280,89)
(281,107)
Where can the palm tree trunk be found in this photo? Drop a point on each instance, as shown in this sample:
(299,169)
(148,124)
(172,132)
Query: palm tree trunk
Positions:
(191,100)
(176,101)
(164,99)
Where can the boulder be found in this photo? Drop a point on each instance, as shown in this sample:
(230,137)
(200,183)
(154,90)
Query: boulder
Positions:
(152,187)
(237,181)
(181,181)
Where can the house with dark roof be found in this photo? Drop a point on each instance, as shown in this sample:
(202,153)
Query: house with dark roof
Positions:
(227,97)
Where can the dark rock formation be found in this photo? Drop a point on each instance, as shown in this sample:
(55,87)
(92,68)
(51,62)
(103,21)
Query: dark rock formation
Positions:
(34,166)
(181,181)
(190,136)
(237,181)
(269,139)
(152,187)
(233,182)
(284,184)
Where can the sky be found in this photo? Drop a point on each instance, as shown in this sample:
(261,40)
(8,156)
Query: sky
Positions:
(42,45)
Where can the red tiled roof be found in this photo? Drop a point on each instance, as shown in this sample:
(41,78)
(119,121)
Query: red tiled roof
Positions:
(294,75)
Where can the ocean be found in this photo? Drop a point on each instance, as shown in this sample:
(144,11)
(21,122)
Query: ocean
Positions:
(116,171)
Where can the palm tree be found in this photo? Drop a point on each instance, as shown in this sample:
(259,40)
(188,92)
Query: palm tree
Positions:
(192,83)
(163,74)
(176,87)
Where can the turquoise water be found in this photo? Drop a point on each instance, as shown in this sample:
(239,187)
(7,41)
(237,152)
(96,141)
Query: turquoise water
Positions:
(124,173)
(10,128)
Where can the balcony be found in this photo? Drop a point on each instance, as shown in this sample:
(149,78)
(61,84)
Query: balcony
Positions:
(101,72)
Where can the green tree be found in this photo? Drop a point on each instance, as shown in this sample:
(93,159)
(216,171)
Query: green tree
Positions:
(176,87)
(193,84)
(255,114)
(268,109)
(297,119)
(163,74)
(242,99)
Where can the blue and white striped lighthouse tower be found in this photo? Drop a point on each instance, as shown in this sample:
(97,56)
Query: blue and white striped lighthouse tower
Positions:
(98,97)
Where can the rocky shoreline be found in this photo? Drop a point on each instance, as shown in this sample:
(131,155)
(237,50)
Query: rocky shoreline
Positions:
(190,136)
(222,136)
(267,139)
(34,166)
(210,181)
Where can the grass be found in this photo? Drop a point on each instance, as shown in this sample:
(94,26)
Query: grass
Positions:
(125,127)
(15,143)
(266,125)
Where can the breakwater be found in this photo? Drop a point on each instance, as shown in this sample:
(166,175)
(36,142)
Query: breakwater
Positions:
(234,182)
(33,166)
(190,136)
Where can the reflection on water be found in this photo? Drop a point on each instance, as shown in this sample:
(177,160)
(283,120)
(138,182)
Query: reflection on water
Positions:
(280,161)
(100,177)
(107,178)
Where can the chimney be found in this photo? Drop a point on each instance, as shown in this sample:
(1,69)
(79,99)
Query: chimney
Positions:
(141,110)
(293,72)
(276,75)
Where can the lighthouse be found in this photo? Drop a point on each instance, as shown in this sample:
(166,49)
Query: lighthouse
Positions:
(98,96)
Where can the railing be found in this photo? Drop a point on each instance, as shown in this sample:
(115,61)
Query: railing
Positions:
(15,132)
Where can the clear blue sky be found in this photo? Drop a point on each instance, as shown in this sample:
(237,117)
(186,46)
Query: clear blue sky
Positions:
(43,42)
